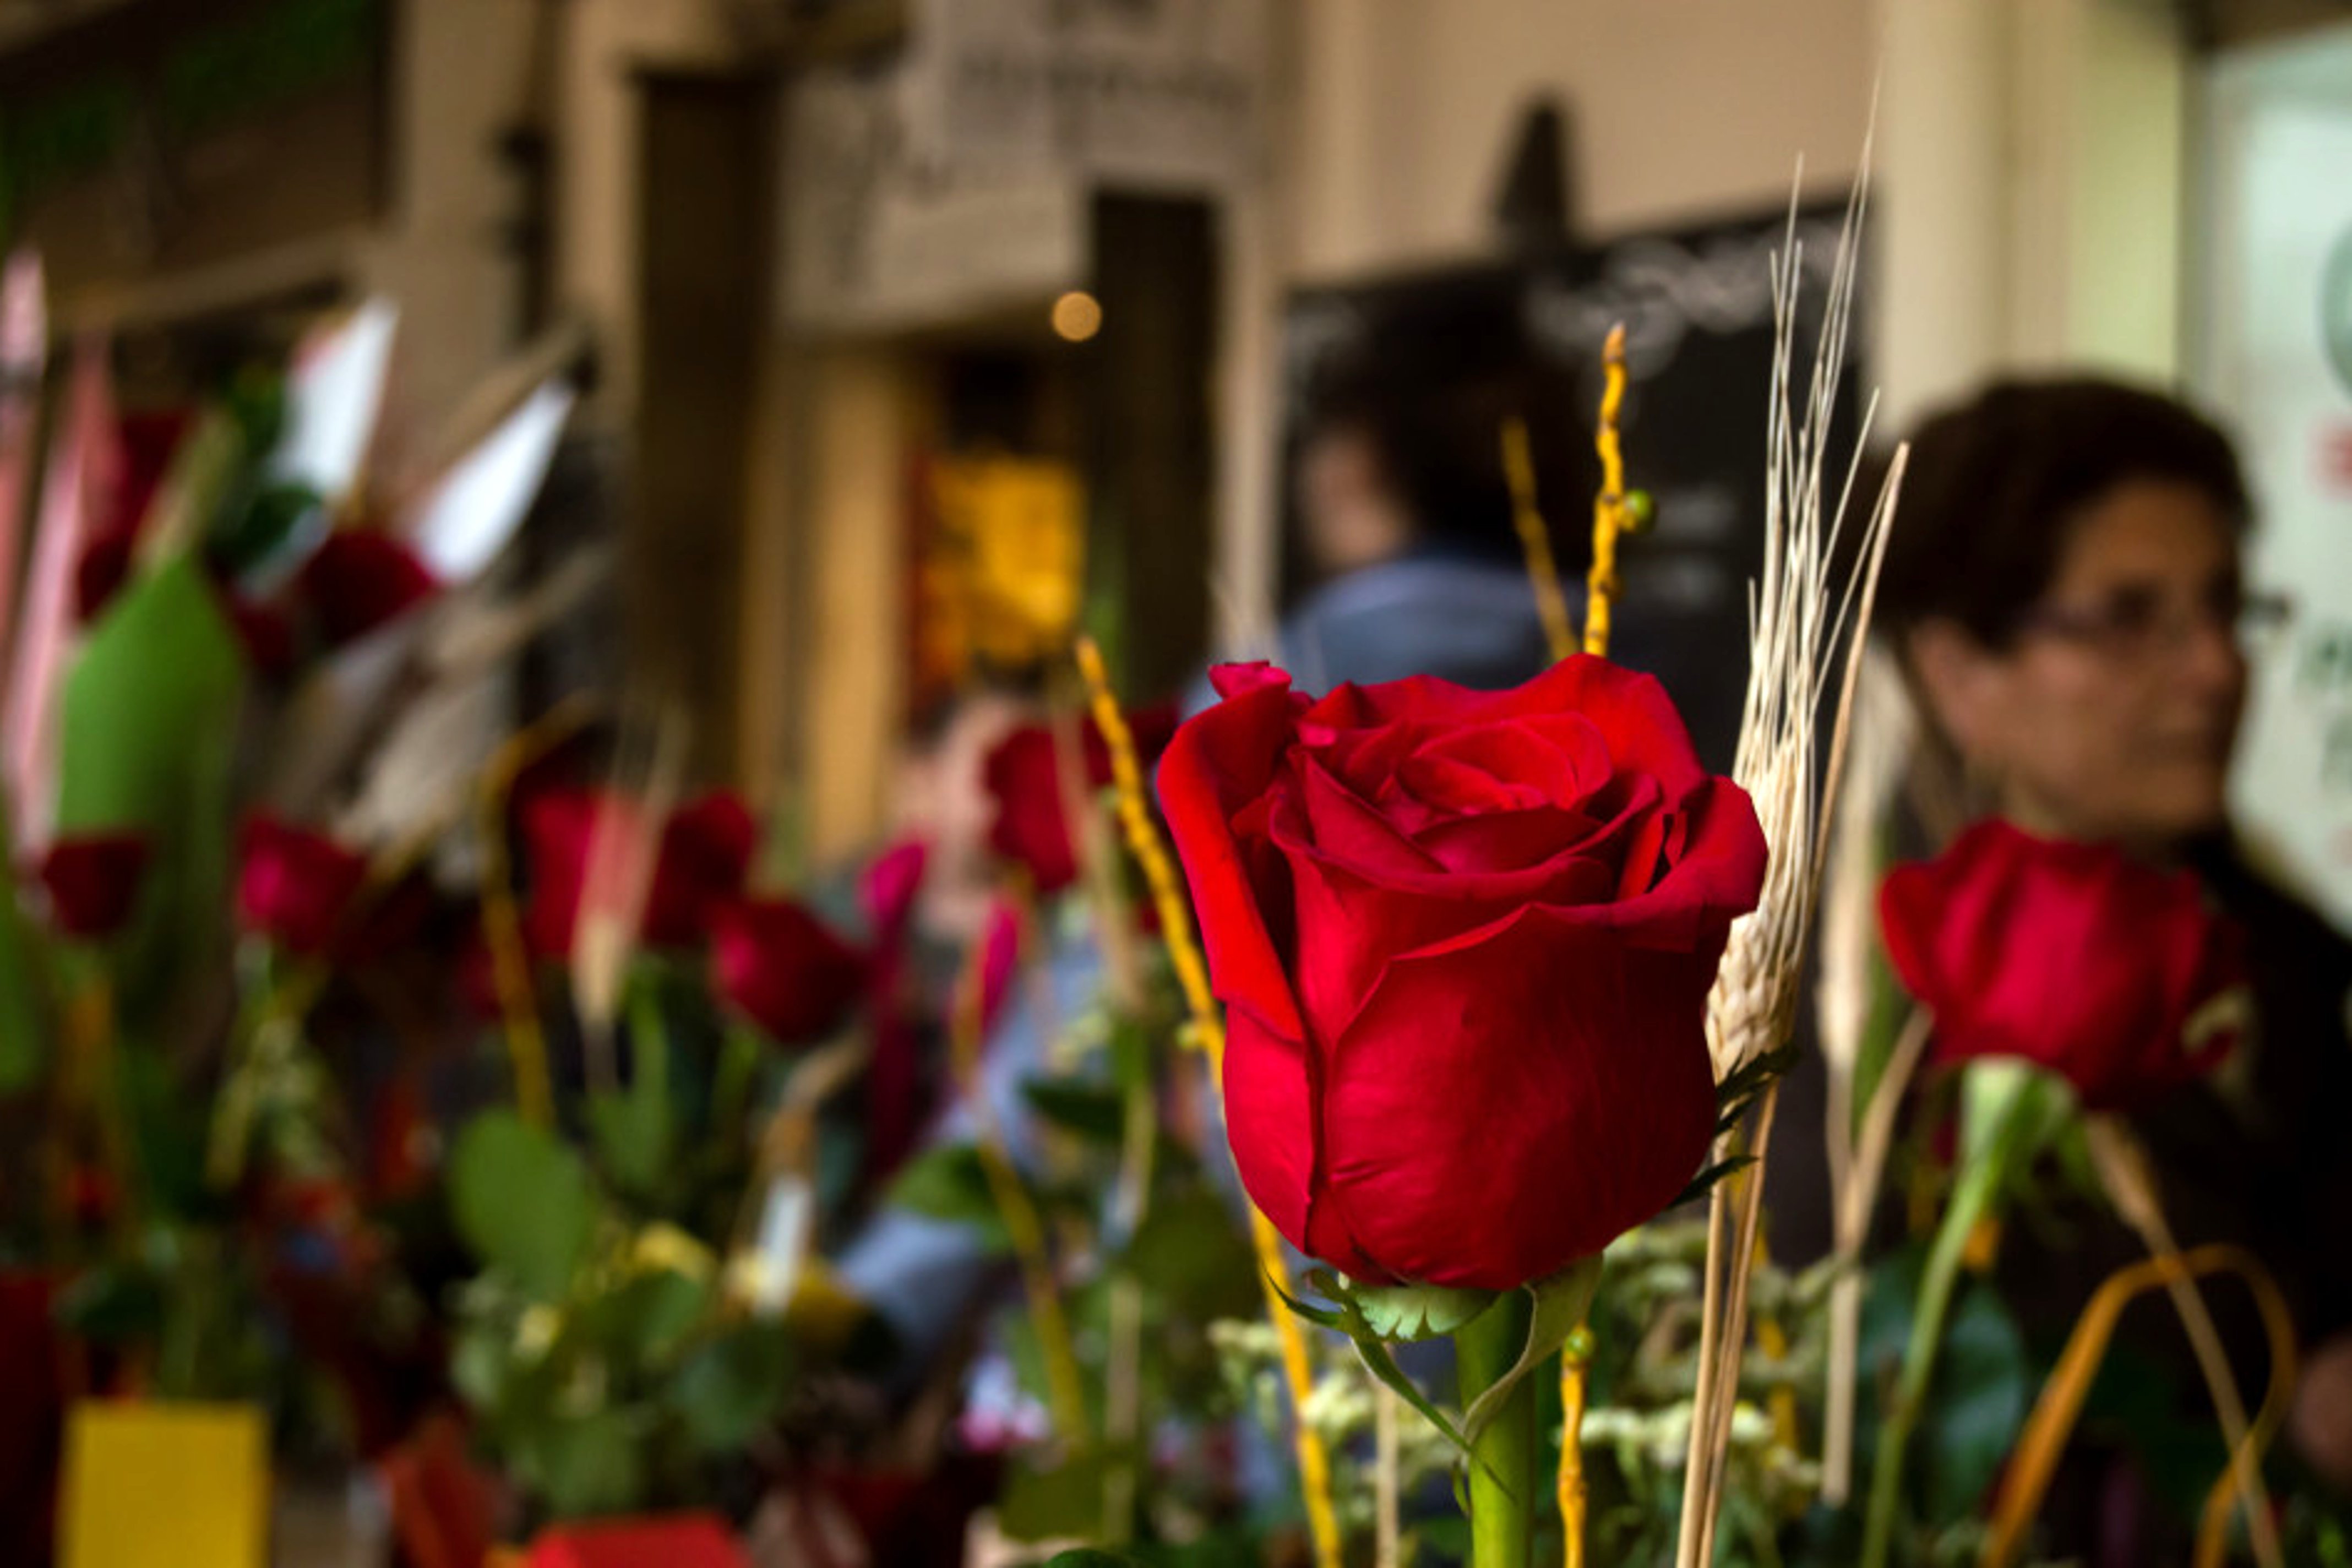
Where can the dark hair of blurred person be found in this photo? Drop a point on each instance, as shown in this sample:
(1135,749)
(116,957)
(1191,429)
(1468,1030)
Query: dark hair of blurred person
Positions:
(1402,556)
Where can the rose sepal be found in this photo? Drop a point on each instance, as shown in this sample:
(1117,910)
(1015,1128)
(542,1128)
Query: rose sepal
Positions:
(1395,1305)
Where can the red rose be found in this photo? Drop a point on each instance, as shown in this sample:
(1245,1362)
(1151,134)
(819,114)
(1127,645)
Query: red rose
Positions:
(360,579)
(778,965)
(103,569)
(295,887)
(704,858)
(93,882)
(1464,941)
(2073,956)
(262,631)
(1024,779)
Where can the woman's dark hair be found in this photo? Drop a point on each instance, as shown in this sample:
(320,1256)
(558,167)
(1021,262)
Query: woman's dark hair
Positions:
(1994,485)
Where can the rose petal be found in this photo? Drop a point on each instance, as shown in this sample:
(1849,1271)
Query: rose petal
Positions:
(1218,763)
(1608,1040)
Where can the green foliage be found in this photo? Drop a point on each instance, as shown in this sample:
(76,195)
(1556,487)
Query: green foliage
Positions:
(1054,1498)
(731,1385)
(617,1397)
(1978,1403)
(523,1202)
(949,1182)
(1191,1259)
(147,729)
(1093,1112)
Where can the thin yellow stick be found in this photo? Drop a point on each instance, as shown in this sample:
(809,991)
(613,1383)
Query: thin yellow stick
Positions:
(2035,1459)
(1209,1035)
(1535,541)
(1612,513)
(1575,1359)
(2130,1180)
(502,919)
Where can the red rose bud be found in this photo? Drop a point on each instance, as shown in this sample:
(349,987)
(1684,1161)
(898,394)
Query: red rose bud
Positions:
(103,569)
(262,631)
(93,882)
(2115,974)
(778,965)
(705,859)
(1464,941)
(360,580)
(1023,774)
(295,887)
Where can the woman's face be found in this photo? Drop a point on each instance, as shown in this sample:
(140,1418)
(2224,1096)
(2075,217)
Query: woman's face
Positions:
(2112,713)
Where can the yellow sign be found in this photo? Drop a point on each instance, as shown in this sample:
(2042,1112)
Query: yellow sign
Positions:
(165,1486)
(1012,545)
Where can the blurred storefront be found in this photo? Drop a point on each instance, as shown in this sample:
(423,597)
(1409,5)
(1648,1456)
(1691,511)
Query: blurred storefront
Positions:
(925,330)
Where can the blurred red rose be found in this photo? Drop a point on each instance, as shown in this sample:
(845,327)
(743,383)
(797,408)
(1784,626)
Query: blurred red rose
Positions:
(783,968)
(704,861)
(104,567)
(262,631)
(1023,774)
(362,579)
(295,887)
(2109,972)
(1464,941)
(93,882)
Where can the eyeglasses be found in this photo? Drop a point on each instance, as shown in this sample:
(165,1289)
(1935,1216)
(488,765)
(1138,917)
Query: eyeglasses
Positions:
(2141,623)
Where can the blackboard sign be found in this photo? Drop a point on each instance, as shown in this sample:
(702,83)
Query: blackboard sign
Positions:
(1523,336)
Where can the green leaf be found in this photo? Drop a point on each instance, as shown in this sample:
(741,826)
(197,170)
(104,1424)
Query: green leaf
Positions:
(147,734)
(730,1387)
(1094,1112)
(1088,1557)
(113,1304)
(1412,1312)
(1190,1254)
(1703,1182)
(588,1465)
(1977,1406)
(1561,1305)
(522,1201)
(1053,1501)
(949,1182)
(648,1318)
(631,1130)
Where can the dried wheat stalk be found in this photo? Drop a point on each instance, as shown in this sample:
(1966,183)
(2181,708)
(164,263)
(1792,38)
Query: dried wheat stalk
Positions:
(1800,617)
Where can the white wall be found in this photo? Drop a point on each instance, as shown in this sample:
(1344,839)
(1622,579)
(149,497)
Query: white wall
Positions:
(1407,110)
(2030,182)
(458,82)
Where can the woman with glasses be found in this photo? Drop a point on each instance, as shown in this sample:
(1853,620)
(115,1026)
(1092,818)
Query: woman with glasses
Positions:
(2063,593)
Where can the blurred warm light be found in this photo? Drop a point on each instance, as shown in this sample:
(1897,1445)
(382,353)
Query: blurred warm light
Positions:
(1078,316)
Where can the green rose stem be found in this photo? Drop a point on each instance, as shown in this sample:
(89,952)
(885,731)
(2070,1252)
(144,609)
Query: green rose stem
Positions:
(1503,1485)
(1980,1182)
